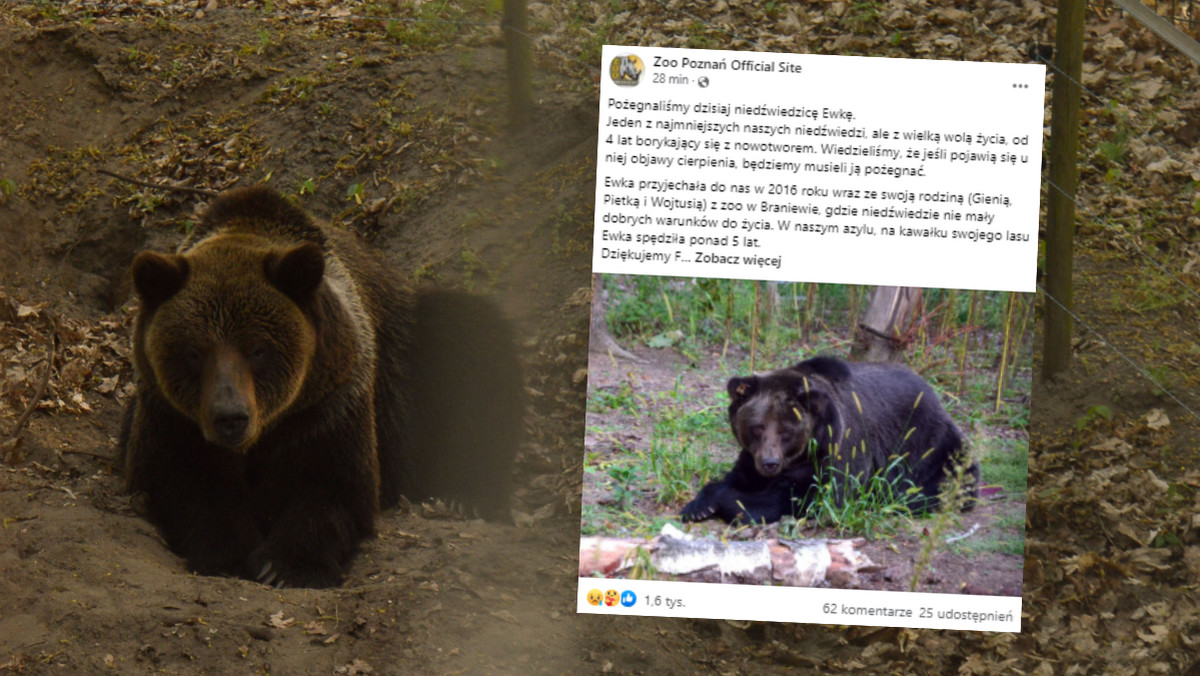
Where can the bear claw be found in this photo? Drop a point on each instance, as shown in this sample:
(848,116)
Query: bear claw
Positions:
(269,577)
(697,513)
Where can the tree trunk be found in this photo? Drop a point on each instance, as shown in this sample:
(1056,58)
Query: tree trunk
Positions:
(601,340)
(884,323)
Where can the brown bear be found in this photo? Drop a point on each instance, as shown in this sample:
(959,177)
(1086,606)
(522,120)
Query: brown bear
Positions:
(277,410)
(826,419)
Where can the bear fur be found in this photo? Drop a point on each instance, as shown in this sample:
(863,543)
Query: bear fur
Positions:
(827,418)
(276,410)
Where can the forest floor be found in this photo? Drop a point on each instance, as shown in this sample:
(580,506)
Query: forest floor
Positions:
(397,129)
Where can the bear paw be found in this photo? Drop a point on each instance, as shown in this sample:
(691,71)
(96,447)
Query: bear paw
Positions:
(278,573)
(703,506)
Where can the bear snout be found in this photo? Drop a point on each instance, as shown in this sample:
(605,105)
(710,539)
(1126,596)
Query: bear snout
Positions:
(769,466)
(229,427)
(229,401)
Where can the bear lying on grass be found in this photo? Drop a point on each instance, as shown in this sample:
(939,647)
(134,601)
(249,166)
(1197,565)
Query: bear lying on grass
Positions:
(827,418)
(289,387)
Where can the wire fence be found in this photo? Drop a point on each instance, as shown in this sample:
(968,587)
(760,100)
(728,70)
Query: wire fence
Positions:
(1183,13)
(1177,12)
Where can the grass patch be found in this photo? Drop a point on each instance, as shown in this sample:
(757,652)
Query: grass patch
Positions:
(432,25)
(1005,462)
(1010,539)
(677,462)
(869,506)
(621,399)
(601,520)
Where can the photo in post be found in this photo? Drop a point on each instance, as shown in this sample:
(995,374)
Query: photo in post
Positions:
(772,231)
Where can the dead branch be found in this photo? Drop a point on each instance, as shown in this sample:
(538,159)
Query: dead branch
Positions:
(41,390)
(100,456)
(169,187)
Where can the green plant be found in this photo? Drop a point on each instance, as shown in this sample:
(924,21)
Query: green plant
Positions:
(865,505)
(48,10)
(623,479)
(622,399)
(1005,462)
(677,461)
(861,18)
(790,528)
(1010,538)
(432,25)
(932,536)
(1112,152)
(265,42)
(698,38)
(1093,414)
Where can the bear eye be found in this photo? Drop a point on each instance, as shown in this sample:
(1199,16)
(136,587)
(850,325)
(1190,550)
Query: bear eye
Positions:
(193,358)
(258,355)
(756,431)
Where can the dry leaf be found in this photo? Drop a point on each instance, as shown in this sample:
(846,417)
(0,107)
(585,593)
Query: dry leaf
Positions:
(277,621)
(354,668)
(315,628)
(1149,88)
(1157,419)
(1156,634)
(107,385)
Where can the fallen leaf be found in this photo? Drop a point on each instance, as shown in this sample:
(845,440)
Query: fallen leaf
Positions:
(358,666)
(315,628)
(277,620)
(1157,418)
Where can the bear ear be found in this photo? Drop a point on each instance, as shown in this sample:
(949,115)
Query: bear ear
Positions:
(835,370)
(816,400)
(740,390)
(157,277)
(297,272)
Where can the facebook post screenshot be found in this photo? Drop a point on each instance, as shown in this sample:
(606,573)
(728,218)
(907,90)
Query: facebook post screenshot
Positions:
(811,342)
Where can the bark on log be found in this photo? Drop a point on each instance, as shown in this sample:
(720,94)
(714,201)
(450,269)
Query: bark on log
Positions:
(674,555)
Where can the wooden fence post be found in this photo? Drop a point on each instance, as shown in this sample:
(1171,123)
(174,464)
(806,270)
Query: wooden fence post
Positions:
(516,40)
(1064,173)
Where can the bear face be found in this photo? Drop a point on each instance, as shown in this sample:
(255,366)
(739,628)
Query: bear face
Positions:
(775,418)
(225,331)
(774,430)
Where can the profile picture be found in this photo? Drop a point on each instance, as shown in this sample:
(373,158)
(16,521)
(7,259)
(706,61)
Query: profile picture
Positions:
(626,70)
